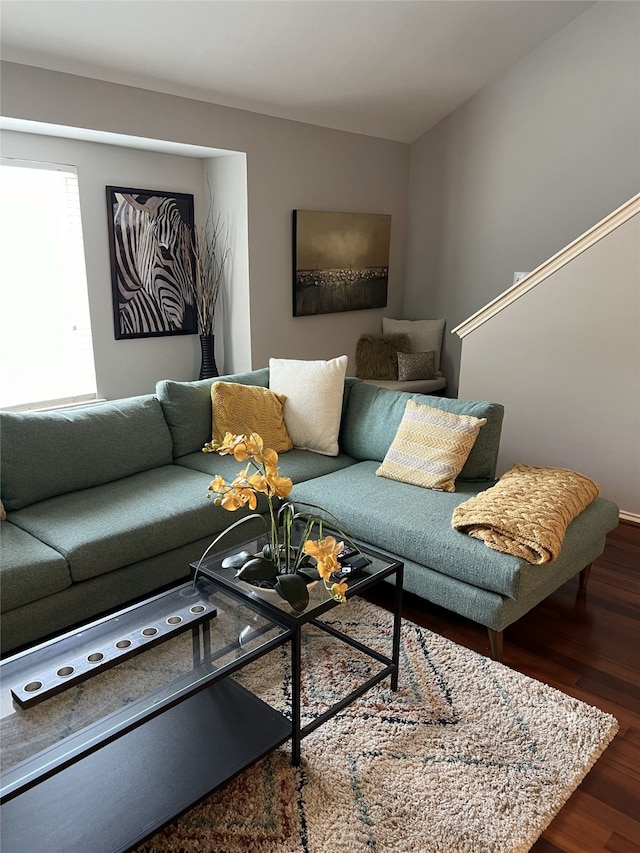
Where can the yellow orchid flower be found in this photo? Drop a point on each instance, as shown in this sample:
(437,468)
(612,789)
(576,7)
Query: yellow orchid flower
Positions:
(325,551)
(259,483)
(327,565)
(238,497)
(241,452)
(320,548)
(252,445)
(243,492)
(230,502)
(338,591)
(222,449)
(278,486)
(217,484)
(269,457)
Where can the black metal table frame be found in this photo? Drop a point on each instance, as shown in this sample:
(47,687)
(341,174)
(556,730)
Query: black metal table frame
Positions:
(83,742)
(83,770)
(176,714)
(294,622)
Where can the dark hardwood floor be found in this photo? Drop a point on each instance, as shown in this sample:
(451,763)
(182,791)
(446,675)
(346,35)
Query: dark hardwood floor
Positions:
(587,645)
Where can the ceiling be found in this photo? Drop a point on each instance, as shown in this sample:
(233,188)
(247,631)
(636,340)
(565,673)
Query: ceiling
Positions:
(386,68)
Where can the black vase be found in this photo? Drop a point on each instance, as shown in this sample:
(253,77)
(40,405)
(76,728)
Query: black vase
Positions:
(208,366)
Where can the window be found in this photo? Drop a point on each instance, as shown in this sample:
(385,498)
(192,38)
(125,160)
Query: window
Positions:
(45,329)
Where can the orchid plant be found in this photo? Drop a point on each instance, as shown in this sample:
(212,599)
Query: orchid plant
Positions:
(281,560)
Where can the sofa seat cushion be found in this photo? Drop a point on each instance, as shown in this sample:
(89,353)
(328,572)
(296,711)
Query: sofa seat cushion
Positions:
(299,465)
(29,569)
(104,528)
(411,522)
(415,524)
(44,454)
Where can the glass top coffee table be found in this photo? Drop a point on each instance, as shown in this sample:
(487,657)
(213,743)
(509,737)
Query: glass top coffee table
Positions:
(110,731)
(380,567)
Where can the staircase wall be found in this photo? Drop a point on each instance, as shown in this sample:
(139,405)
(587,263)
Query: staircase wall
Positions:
(564,359)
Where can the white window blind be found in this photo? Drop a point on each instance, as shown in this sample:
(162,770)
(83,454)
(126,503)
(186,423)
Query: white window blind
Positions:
(45,329)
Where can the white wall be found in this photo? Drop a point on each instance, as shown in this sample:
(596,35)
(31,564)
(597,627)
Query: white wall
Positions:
(227,177)
(288,165)
(524,168)
(564,359)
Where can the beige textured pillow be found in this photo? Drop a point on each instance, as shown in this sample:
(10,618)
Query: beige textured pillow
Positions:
(430,447)
(249,408)
(413,366)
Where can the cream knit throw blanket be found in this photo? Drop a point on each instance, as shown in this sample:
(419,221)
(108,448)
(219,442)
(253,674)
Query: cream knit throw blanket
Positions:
(527,512)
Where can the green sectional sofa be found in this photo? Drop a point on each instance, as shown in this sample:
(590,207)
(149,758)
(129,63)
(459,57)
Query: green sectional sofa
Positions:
(108,502)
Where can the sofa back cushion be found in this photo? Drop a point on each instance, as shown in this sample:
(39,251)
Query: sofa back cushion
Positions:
(43,454)
(187,407)
(373,415)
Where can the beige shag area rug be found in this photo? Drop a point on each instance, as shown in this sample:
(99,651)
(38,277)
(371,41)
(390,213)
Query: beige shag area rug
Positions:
(468,755)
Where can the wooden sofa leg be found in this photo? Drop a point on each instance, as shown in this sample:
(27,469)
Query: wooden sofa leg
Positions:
(495,641)
(584,576)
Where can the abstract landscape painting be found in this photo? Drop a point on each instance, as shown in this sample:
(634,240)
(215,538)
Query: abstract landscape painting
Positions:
(340,261)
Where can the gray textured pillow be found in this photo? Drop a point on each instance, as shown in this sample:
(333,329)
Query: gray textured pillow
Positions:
(416,365)
(377,355)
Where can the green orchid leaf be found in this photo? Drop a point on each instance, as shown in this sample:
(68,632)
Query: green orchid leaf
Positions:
(310,572)
(257,569)
(220,536)
(235,561)
(294,590)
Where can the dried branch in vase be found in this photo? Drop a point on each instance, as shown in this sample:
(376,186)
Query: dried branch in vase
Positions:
(211,250)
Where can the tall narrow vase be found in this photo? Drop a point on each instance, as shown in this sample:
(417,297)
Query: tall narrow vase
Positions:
(208,366)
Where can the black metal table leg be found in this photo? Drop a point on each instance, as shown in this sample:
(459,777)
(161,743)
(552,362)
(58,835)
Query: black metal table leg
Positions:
(296,673)
(397,624)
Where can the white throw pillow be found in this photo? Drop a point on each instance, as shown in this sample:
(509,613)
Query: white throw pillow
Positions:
(313,408)
(423,335)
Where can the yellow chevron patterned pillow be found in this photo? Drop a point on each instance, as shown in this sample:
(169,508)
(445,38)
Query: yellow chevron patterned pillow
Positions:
(240,409)
(430,447)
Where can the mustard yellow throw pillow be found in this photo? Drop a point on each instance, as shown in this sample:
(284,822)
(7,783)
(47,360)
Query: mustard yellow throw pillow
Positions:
(430,447)
(249,408)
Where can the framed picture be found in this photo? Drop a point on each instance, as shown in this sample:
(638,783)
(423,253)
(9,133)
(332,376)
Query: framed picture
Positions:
(340,261)
(152,262)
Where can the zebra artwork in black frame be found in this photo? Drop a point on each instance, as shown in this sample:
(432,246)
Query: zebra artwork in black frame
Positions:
(152,262)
